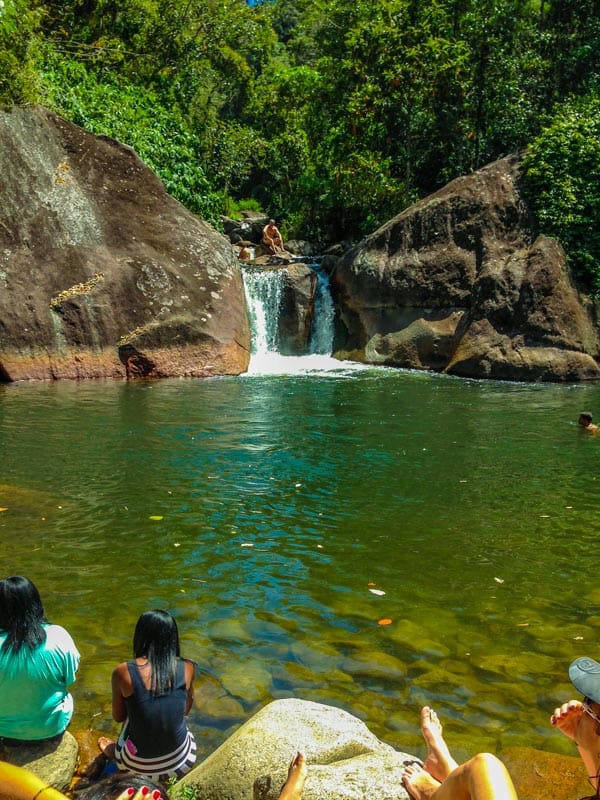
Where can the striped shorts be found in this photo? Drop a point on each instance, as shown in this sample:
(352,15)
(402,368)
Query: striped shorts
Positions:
(160,768)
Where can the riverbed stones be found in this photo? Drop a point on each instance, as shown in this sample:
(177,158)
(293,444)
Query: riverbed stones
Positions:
(346,761)
(102,273)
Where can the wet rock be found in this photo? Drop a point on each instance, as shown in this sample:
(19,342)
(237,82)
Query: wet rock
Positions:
(537,774)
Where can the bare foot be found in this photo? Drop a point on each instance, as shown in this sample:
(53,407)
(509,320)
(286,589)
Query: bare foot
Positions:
(419,784)
(292,788)
(438,762)
(567,718)
(106,746)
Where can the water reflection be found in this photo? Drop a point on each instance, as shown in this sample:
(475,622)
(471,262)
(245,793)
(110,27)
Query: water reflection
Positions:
(262,510)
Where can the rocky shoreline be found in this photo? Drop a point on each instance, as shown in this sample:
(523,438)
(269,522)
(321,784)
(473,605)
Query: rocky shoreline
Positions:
(346,761)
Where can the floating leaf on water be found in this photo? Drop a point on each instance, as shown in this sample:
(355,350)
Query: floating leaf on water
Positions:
(522,624)
(3,509)
(298,485)
(246,544)
(156,517)
(384,621)
(499,580)
(371,583)
(578,638)
(377,591)
(320,546)
(177,544)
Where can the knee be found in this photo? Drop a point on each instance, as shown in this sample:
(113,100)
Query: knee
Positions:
(486,762)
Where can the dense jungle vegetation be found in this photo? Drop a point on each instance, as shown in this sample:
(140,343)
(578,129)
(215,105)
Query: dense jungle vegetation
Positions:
(332,115)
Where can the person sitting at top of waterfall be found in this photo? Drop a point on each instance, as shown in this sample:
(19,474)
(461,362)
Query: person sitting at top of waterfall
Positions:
(272,237)
(585,421)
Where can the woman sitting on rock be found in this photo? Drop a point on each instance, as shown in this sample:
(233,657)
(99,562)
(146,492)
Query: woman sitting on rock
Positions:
(151,695)
(38,661)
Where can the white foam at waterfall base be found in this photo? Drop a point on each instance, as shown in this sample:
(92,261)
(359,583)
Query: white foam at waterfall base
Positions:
(263,296)
(276,364)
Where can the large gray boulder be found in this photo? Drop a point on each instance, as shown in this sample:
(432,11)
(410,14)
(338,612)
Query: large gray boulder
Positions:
(461,282)
(102,273)
(345,760)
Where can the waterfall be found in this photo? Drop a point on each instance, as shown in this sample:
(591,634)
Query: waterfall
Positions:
(263,297)
(264,290)
(321,333)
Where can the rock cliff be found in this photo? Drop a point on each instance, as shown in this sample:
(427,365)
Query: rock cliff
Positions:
(101,272)
(462,283)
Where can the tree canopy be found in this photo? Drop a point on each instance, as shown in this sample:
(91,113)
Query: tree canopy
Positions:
(331,116)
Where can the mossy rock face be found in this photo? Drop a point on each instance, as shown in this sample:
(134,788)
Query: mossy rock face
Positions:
(53,760)
(537,774)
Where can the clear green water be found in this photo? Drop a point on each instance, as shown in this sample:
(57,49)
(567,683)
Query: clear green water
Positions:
(282,502)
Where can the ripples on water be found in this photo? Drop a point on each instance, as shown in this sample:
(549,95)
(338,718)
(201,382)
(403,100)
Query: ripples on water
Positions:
(281,502)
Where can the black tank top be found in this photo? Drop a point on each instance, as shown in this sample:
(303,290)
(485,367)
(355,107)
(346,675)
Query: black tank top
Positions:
(156,724)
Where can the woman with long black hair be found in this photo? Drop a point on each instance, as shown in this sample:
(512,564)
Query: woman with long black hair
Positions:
(38,661)
(151,694)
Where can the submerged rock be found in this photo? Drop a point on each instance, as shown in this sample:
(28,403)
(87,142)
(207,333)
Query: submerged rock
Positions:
(102,273)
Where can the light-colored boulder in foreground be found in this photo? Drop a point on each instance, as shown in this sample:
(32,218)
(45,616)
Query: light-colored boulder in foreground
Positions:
(345,760)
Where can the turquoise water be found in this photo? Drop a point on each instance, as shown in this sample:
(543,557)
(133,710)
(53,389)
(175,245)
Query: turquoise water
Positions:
(264,510)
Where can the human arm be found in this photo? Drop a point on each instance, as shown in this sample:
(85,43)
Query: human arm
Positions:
(190,674)
(120,681)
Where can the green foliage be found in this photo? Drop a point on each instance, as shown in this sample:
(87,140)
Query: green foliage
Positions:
(133,115)
(333,115)
(563,179)
(18,43)
(179,791)
(234,208)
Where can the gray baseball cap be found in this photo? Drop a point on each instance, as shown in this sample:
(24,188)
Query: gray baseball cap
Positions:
(584,673)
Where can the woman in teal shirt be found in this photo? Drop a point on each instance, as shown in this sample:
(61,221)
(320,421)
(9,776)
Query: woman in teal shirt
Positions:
(38,661)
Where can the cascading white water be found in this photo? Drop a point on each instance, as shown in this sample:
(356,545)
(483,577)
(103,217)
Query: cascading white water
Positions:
(321,334)
(263,297)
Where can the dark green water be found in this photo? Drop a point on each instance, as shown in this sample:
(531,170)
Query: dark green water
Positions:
(281,502)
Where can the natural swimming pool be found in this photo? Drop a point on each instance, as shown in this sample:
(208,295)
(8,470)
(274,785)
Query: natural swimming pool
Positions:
(281,518)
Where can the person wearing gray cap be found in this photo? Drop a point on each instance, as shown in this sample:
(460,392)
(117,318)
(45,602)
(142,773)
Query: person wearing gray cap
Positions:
(580,721)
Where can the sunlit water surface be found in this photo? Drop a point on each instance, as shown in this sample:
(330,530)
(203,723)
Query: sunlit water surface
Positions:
(263,510)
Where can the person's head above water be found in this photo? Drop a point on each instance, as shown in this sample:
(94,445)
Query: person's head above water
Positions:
(585,419)
(21,614)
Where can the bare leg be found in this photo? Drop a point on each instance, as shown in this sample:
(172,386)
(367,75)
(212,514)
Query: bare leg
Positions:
(483,777)
(292,788)
(438,762)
